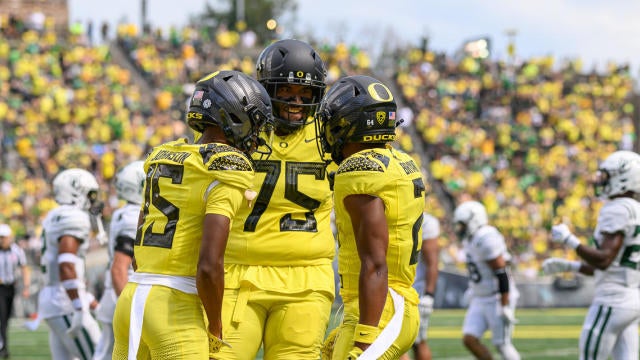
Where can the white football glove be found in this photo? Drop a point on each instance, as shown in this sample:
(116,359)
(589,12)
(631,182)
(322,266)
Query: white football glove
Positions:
(76,323)
(561,234)
(101,236)
(426,308)
(507,315)
(558,265)
(32,325)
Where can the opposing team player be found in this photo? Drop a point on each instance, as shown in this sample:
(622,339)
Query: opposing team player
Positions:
(62,302)
(425,283)
(492,290)
(170,308)
(279,283)
(379,202)
(129,183)
(611,325)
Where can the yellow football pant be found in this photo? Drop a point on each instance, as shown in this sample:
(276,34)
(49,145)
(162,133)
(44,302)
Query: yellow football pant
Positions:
(397,332)
(292,326)
(173,325)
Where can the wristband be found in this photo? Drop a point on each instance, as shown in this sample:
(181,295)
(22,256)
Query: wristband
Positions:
(70,284)
(572,241)
(215,344)
(366,334)
(575,266)
(67,258)
(77,304)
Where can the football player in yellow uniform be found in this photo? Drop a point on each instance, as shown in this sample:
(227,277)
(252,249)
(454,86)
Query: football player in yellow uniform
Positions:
(379,203)
(191,195)
(279,281)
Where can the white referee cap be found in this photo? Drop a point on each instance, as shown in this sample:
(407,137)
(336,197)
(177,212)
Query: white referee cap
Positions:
(5,230)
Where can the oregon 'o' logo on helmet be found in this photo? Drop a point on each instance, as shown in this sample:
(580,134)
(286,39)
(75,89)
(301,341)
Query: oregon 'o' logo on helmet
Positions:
(380,92)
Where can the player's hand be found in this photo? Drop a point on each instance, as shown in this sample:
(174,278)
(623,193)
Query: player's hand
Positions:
(354,353)
(561,234)
(76,323)
(507,315)
(425,306)
(326,353)
(557,265)
(102,238)
(215,344)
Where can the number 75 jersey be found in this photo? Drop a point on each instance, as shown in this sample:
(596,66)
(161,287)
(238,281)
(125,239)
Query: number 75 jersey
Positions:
(289,223)
(618,284)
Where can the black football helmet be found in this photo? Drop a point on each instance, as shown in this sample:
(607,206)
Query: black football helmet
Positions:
(291,62)
(236,103)
(356,109)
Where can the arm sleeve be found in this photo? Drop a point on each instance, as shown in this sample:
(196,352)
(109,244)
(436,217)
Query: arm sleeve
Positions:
(124,244)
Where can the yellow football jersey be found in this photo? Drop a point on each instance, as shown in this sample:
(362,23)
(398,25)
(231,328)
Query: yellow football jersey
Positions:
(289,223)
(183,183)
(394,177)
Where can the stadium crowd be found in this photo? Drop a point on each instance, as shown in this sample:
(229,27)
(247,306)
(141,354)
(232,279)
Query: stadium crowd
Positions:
(523,137)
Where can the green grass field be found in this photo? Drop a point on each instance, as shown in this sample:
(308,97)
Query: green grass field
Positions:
(540,334)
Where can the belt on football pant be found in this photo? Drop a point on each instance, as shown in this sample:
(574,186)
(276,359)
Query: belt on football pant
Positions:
(241,303)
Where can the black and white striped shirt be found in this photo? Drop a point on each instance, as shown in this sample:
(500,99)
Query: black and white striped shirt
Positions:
(10,260)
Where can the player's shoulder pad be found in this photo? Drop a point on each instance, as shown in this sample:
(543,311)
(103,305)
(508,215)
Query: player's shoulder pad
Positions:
(617,214)
(488,234)
(225,157)
(126,215)
(71,220)
(364,161)
(430,227)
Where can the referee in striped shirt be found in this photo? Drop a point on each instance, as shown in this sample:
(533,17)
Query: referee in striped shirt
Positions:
(12,257)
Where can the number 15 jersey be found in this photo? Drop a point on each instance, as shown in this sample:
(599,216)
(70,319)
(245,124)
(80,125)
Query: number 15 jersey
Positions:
(184,182)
